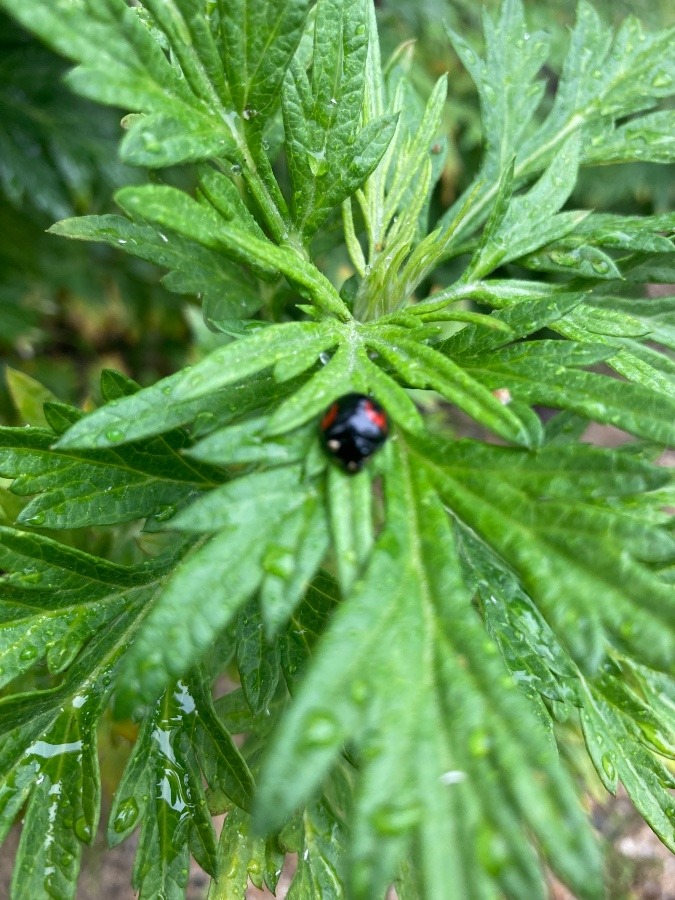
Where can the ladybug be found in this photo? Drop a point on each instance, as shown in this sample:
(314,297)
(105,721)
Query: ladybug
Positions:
(352,429)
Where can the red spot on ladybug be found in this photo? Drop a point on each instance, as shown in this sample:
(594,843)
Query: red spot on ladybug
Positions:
(329,416)
(376,415)
(352,429)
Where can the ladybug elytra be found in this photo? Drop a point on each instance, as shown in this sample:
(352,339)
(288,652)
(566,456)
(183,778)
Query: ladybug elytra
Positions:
(352,429)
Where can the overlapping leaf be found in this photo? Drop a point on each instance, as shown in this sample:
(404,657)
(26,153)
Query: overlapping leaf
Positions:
(444,755)
(329,154)
(162,791)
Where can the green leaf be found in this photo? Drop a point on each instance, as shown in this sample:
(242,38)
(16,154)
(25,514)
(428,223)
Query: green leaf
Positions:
(532,373)
(329,154)
(556,559)
(290,563)
(302,341)
(646,139)
(424,367)
(28,396)
(161,790)
(91,594)
(174,209)
(529,221)
(259,41)
(605,78)
(97,486)
(393,613)
(258,659)
(193,268)
(210,586)
(611,741)
(147,412)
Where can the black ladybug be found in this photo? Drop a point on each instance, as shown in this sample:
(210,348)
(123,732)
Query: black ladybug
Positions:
(352,429)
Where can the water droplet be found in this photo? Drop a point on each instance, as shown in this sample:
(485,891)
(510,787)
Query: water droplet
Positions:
(164,513)
(657,741)
(453,777)
(254,868)
(359,691)
(322,730)
(265,144)
(28,652)
(317,162)
(279,561)
(600,266)
(37,519)
(503,395)
(150,142)
(662,80)
(249,113)
(82,830)
(394,818)
(31,577)
(114,434)
(608,767)
(236,169)
(127,815)
(479,742)
(360,29)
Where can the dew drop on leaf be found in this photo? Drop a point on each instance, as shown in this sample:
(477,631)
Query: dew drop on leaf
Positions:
(478,742)
(394,819)
(29,652)
(321,730)
(127,815)
(82,829)
(608,766)
(359,691)
(114,434)
(37,519)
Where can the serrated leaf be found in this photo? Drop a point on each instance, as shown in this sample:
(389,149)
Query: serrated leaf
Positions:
(92,593)
(536,378)
(176,210)
(193,268)
(161,790)
(424,367)
(96,486)
(207,590)
(259,41)
(147,412)
(335,698)
(329,155)
(616,754)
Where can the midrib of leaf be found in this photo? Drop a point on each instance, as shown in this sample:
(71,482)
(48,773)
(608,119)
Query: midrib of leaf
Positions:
(123,466)
(415,560)
(191,63)
(110,568)
(311,187)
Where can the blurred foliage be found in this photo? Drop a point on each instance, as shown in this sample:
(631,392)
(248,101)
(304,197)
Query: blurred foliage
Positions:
(67,310)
